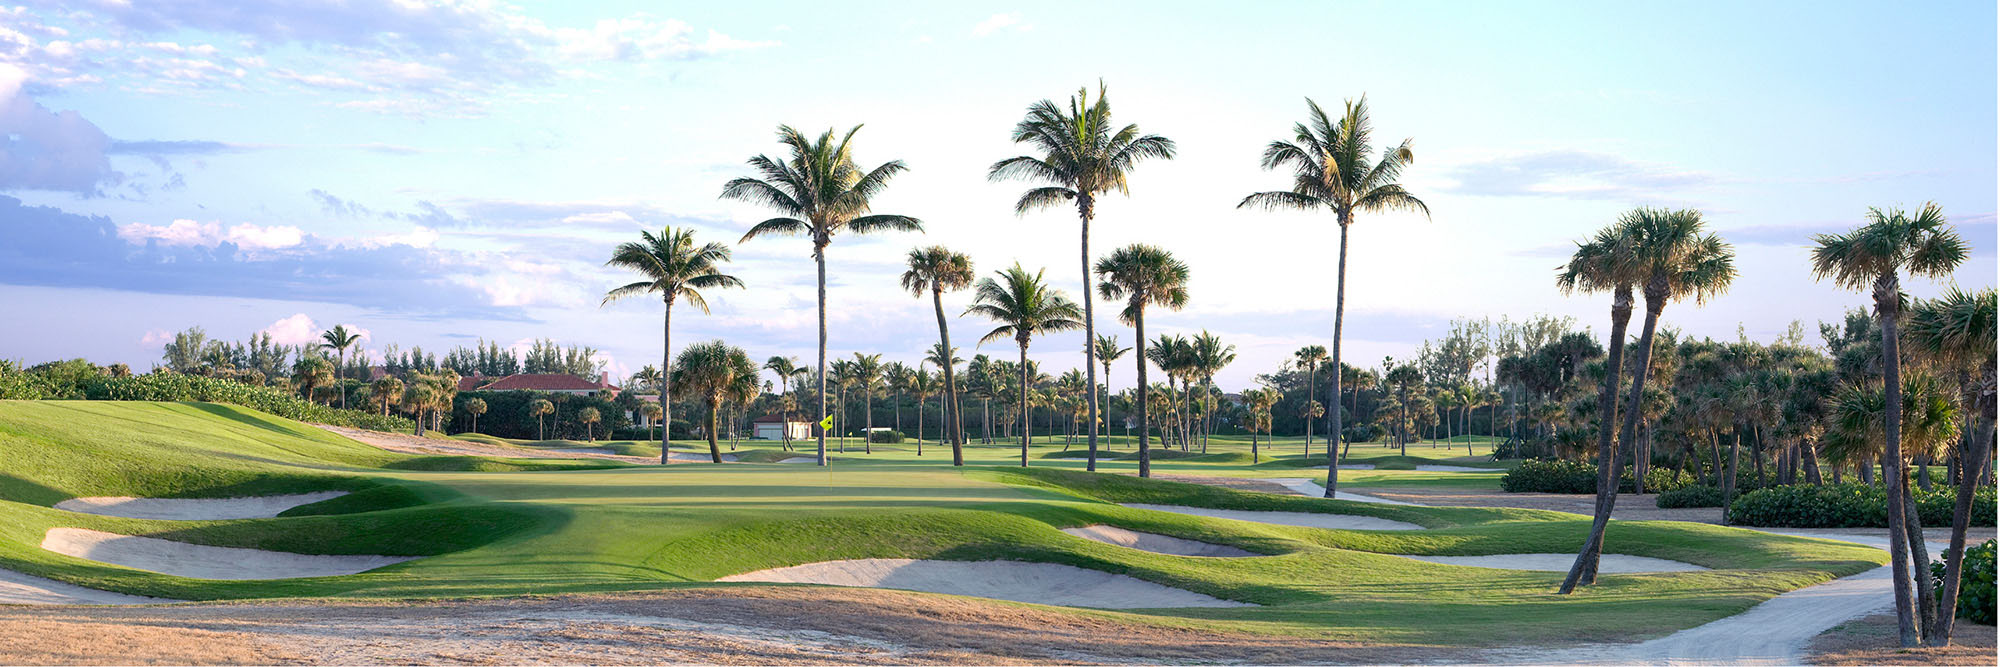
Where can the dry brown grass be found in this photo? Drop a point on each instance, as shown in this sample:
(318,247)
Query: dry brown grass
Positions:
(1871,640)
(740,625)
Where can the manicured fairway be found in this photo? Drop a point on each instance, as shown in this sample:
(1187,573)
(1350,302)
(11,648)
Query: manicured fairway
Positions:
(508,527)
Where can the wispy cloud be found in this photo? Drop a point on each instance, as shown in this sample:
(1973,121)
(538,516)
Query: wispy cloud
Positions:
(1573,174)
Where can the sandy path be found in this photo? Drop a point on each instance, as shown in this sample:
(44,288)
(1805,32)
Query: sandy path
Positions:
(1307,519)
(1040,583)
(1311,488)
(194,509)
(410,444)
(17,588)
(202,561)
(1446,468)
(1156,543)
(1607,563)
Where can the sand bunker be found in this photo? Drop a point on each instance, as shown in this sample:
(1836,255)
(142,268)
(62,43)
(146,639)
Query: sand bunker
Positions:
(17,588)
(1307,519)
(194,509)
(1040,583)
(1356,466)
(1156,543)
(1606,564)
(1444,468)
(201,561)
(801,459)
(1312,489)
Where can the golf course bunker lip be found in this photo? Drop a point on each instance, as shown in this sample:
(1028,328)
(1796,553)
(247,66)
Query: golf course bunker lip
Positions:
(18,588)
(1307,519)
(198,561)
(194,509)
(1312,489)
(1156,543)
(1607,563)
(801,459)
(1018,581)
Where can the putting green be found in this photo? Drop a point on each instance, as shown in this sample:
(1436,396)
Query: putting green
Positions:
(519,526)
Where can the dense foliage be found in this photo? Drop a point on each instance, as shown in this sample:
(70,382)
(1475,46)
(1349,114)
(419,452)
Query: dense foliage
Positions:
(1693,495)
(507,415)
(1975,590)
(885,437)
(178,387)
(1573,476)
(1847,506)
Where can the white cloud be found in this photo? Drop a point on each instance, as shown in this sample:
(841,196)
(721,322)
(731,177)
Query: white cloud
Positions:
(1000,22)
(295,330)
(42,149)
(156,338)
(184,232)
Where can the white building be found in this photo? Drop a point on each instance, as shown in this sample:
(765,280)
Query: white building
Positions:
(776,427)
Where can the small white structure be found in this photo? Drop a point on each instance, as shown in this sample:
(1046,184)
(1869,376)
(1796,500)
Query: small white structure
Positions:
(777,427)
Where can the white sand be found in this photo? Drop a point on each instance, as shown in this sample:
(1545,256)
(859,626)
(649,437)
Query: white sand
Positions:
(201,561)
(1356,466)
(1307,519)
(1311,488)
(1156,543)
(1444,468)
(1040,583)
(1606,563)
(194,509)
(801,459)
(17,588)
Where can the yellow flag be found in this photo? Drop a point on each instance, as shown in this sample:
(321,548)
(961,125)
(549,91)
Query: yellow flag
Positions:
(826,424)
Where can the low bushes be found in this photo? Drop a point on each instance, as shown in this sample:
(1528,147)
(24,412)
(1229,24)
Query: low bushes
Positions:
(885,437)
(1693,495)
(1975,585)
(175,387)
(1567,476)
(1847,506)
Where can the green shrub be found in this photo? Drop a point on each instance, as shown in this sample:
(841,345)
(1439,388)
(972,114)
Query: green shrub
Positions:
(1975,584)
(885,437)
(1847,506)
(175,387)
(1693,495)
(1551,476)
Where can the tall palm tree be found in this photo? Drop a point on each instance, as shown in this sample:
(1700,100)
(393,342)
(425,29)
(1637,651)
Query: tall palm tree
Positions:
(1083,156)
(1674,258)
(311,373)
(819,191)
(1210,356)
(788,371)
(1873,257)
(1331,171)
(938,270)
(896,378)
(338,339)
(475,407)
(718,373)
(921,385)
(1143,276)
(1310,356)
(867,378)
(677,270)
(946,358)
(843,379)
(386,392)
(1604,263)
(1108,351)
(1957,331)
(1024,306)
(541,407)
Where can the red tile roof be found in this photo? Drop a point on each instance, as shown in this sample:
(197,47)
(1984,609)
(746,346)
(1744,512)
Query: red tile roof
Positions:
(545,382)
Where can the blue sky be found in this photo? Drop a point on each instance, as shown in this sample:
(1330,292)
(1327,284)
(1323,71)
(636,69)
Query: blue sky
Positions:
(435,174)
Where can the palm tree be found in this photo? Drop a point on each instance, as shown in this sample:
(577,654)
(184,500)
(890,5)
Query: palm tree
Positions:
(1024,306)
(475,407)
(1259,401)
(1082,158)
(538,408)
(1310,356)
(386,392)
(1671,255)
(590,417)
(1605,263)
(843,379)
(1108,351)
(339,339)
(1407,381)
(787,371)
(1209,356)
(652,413)
(1144,276)
(1873,257)
(1956,331)
(418,399)
(953,420)
(819,191)
(921,385)
(1331,171)
(867,378)
(718,373)
(676,269)
(938,270)
(311,373)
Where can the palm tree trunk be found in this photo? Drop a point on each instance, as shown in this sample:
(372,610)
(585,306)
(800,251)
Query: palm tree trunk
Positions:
(1085,210)
(1139,350)
(1607,449)
(666,376)
(867,420)
(819,261)
(920,425)
(1607,493)
(1025,433)
(1973,459)
(1311,368)
(1920,562)
(1887,302)
(714,452)
(1333,416)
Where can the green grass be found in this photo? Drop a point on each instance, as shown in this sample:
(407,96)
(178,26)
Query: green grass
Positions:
(522,526)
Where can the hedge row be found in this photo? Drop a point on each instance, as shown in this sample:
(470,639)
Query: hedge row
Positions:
(177,387)
(1975,586)
(1848,506)
(1569,476)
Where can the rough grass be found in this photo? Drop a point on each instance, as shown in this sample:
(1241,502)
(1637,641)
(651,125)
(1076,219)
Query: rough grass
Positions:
(492,530)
